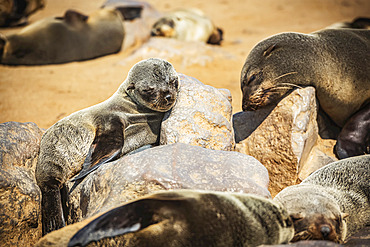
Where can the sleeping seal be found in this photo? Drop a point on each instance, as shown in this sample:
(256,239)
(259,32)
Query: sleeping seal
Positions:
(332,203)
(189,218)
(334,61)
(88,138)
(188,25)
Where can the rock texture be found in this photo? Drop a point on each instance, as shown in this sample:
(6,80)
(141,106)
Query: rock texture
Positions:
(20,197)
(283,138)
(165,167)
(201,117)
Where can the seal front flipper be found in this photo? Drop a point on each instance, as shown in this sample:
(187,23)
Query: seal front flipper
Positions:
(53,217)
(107,145)
(354,138)
(131,217)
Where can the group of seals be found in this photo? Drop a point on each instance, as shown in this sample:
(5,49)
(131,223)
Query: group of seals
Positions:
(128,120)
(190,218)
(188,25)
(73,37)
(334,61)
(332,203)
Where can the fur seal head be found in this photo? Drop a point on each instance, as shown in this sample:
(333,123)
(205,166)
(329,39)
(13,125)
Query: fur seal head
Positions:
(152,83)
(318,218)
(269,72)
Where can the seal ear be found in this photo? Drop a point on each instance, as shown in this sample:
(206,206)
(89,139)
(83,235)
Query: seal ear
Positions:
(296,216)
(269,50)
(130,13)
(344,215)
(73,17)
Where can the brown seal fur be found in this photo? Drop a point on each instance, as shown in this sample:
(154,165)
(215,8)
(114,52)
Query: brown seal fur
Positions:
(190,218)
(188,25)
(128,120)
(73,37)
(334,61)
(332,203)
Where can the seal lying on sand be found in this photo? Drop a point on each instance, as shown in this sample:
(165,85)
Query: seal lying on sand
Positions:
(332,203)
(334,61)
(73,37)
(15,12)
(190,218)
(187,25)
(128,120)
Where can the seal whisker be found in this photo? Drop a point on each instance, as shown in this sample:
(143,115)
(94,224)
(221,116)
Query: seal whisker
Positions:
(283,75)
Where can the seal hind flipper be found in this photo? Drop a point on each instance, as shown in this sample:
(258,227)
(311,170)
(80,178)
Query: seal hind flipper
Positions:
(128,218)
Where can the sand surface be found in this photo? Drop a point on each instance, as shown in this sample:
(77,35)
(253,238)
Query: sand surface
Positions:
(45,94)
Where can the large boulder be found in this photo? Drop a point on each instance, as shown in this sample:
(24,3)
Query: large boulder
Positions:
(176,166)
(200,117)
(284,138)
(20,197)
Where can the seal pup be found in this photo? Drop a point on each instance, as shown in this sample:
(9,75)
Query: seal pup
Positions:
(332,203)
(72,37)
(190,218)
(188,25)
(334,61)
(84,140)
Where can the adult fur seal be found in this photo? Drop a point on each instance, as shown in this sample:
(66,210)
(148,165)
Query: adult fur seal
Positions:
(128,120)
(334,61)
(332,203)
(73,37)
(190,218)
(188,25)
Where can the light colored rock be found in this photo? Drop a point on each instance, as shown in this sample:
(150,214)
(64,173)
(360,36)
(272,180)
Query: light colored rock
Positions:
(188,53)
(20,197)
(176,166)
(282,138)
(201,117)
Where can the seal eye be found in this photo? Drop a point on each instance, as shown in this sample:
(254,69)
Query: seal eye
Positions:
(251,78)
(175,82)
(149,91)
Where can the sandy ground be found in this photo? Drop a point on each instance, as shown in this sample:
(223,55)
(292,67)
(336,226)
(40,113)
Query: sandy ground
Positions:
(45,94)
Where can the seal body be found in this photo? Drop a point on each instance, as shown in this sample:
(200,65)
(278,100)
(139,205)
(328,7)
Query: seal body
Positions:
(332,203)
(187,25)
(86,139)
(190,218)
(73,37)
(334,61)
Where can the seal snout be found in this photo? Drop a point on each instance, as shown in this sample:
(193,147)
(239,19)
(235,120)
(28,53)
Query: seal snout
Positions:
(325,231)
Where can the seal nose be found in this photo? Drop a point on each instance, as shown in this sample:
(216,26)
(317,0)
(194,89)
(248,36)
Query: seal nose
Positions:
(168,97)
(325,231)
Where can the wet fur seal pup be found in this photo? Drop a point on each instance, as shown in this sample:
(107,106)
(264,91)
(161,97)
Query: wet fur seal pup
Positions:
(332,203)
(188,25)
(15,12)
(88,138)
(190,218)
(73,37)
(334,61)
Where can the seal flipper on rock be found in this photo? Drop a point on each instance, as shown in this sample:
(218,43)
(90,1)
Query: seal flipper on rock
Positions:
(107,145)
(354,138)
(128,218)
